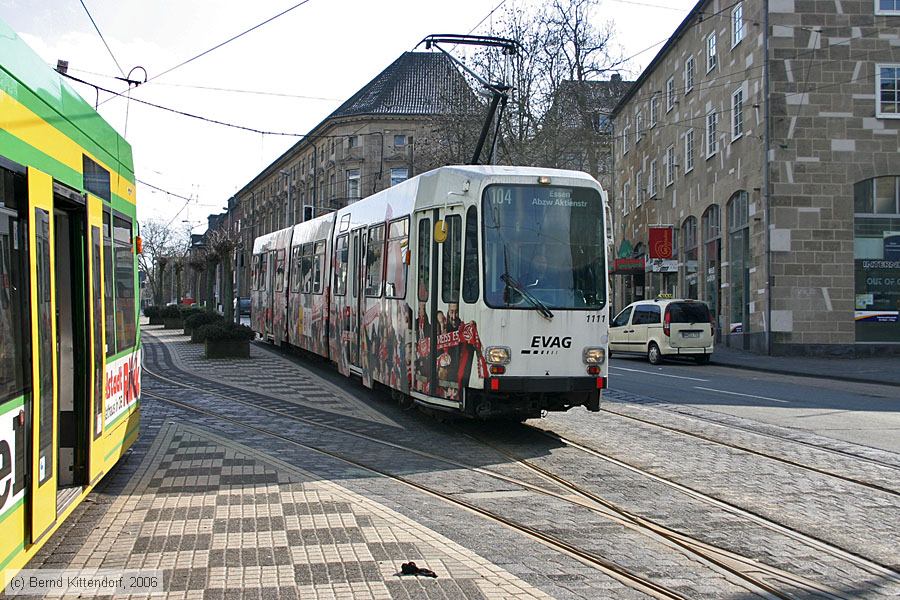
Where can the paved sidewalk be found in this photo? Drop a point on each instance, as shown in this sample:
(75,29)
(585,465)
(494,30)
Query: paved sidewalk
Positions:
(881,370)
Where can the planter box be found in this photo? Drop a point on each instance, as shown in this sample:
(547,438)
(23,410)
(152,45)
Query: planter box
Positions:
(195,336)
(156,320)
(170,323)
(228,349)
(187,330)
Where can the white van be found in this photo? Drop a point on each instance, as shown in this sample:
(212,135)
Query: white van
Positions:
(660,328)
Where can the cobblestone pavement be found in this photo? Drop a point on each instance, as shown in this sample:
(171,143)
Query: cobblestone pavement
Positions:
(228,511)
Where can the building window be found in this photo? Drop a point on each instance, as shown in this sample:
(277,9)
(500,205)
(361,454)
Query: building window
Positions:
(711,52)
(887,7)
(670,94)
(638,126)
(878,196)
(689,151)
(626,191)
(352,141)
(689,240)
(654,110)
(653,179)
(399,175)
(625,133)
(737,114)
(399,140)
(638,188)
(332,187)
(737,24)
(353,184)
(688,75)
(712,140)
(739,261)
(887,91)
(670,165)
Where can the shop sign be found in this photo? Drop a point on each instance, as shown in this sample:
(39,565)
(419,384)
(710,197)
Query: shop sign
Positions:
(629,265)
(661,242)
(661,265)
(876,316)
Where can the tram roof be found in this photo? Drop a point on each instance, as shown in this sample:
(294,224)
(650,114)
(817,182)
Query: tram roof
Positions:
(46,93)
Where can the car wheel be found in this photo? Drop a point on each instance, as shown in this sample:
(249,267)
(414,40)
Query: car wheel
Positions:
(653,354)
(702,359)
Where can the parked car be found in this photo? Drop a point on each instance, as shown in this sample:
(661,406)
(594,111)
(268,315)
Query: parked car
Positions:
(664,327)
(242,306)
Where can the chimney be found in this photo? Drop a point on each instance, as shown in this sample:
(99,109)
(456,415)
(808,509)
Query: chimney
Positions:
(616,78)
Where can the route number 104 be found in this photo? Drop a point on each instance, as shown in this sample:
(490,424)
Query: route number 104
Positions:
(500,196)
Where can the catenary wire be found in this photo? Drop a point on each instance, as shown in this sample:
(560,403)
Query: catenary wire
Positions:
(103,39)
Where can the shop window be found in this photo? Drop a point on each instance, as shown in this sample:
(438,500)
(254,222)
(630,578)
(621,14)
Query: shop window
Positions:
(375,262)
(397,248)
(689,240)
(452,259)
(876,253)
(470,257)
(712,256)
(739,261)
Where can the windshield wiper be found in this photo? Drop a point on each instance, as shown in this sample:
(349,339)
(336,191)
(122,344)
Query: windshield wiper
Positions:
(542,308)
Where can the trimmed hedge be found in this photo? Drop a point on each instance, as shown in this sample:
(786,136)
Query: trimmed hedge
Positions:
(153,312)
(170,312)
(200,318)
(226,332)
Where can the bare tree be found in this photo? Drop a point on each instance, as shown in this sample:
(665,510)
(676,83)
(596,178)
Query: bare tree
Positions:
(222,243)
(163,244)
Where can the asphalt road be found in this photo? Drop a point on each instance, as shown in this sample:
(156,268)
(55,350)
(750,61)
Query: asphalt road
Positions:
(859,413)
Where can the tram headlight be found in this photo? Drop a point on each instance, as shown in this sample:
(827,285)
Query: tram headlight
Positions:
(497,355)
(593,356)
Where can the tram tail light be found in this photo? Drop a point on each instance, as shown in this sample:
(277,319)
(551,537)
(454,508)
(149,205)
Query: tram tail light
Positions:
(667,323)
(593,370)
(498,369)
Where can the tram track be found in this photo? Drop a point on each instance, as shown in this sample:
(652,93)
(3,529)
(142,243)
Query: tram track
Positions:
(744,448)
(835,451)
(751,571)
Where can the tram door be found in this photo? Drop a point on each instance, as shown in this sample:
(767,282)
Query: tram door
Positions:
(270,292)
(424,327)
(357,296)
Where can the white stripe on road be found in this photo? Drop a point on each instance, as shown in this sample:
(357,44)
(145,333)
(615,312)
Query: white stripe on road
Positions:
(660,374)
(697,387)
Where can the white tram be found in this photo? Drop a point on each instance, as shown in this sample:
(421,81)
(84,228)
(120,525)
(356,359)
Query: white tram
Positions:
(503,313)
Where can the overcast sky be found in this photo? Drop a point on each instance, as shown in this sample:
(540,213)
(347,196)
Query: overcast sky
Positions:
(299,68)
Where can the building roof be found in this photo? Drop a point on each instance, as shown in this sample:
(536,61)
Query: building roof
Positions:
(684,26)
(417,83)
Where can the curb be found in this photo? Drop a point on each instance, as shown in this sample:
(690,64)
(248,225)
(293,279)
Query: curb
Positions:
(849,379)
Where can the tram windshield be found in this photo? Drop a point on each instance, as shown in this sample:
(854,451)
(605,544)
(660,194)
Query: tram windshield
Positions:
(543,247)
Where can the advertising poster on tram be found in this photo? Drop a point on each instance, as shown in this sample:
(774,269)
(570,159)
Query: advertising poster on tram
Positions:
(12,459)
(123,385)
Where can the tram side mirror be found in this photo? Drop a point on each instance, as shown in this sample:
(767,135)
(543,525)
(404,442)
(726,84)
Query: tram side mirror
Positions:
(440,231)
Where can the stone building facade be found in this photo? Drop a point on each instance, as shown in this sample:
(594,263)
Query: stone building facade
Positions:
(765,133)
(365,146)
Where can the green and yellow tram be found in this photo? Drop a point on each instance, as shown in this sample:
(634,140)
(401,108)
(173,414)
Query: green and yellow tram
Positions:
(69,336)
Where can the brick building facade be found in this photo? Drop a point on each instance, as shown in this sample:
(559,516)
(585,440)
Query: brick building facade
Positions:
(765,132)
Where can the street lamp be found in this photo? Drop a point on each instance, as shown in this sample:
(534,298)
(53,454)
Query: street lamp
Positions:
(289,207)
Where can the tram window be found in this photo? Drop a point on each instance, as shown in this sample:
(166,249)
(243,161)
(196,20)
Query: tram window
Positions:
(452,260)
(375,262)
(45,343)
(13,280)
(295,269)
(319,268)
(423,252)
(97,297)
(306,268)
(470,257)
(96,179)
(397,247)
(124,259)
(279,270)
(109,287)
(340,265)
